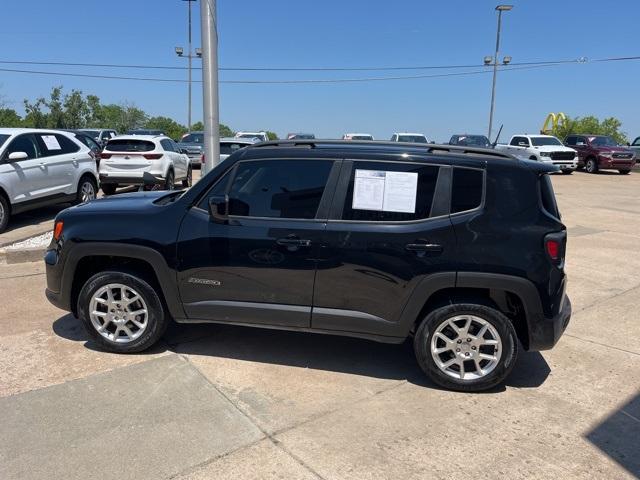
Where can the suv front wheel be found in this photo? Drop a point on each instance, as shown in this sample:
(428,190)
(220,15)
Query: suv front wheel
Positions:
(121,312)
(466,347)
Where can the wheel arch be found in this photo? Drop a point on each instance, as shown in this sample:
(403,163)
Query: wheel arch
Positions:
(88,259)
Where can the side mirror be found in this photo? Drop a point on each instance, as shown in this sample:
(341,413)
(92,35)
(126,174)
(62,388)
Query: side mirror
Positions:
(14,156)
(183,150)
(219,208)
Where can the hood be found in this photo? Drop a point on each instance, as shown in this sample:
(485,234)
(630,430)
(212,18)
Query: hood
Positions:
(554,148)
(618,148)
(126,202)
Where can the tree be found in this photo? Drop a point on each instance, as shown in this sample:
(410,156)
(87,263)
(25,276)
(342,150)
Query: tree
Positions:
(590,124)
(197,127)
(169,126)
(55,117)
(272,135)
(34,116)
(9,118)
(130,117)
(76,110)
(225,131)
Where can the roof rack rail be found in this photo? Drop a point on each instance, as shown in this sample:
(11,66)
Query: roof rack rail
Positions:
(429,147)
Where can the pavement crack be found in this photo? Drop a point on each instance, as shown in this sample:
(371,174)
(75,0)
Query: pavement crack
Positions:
(264,432)
(602,344)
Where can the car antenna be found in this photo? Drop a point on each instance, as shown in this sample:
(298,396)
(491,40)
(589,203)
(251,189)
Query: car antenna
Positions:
(498,136)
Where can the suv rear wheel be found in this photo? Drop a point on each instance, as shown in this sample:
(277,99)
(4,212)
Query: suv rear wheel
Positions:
(86,190)
(466,347)
(188,181)
(108,188)
(624,172)
(170,181)
(121,312)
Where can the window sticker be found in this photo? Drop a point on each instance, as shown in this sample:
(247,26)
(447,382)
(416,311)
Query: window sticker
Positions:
(51,142)
(385,191)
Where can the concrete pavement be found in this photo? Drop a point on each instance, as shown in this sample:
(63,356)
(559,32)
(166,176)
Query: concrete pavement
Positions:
(232,402)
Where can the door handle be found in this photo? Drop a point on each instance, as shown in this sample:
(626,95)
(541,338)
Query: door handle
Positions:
(293,242)
(423,247)
(43,166)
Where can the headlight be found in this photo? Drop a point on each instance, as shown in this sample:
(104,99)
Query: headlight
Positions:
(545,154)
(606,154)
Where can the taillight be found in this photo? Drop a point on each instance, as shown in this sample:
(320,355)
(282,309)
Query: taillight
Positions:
(152,156)
(202,159)
(105,155)
(57,230)
(553,250)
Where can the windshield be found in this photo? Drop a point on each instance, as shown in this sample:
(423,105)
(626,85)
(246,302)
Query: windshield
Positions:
(473,140)
(3,138)
(361,137)
(129,145)
(412,138)
(92,133)
(603,141)
(227,148)
(193,138)
(542,141)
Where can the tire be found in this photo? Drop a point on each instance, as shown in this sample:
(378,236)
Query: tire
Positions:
(5,213)
(534,158)
(591,165)
(187,182)
(150,325)
(624,172)
(108,188)
(567,172)
(470,347)
(170,181)
(87,190)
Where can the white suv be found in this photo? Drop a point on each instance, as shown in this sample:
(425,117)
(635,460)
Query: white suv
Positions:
(41,167)
(143,160)
(262,136)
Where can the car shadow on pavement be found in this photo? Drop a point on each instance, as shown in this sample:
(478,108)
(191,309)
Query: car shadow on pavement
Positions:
(617,436)
(306,350)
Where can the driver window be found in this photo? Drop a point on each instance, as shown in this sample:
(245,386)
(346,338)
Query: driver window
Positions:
(23,143)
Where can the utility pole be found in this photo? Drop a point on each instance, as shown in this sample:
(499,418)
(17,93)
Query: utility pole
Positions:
(190,56)
(210,84)
(499,9)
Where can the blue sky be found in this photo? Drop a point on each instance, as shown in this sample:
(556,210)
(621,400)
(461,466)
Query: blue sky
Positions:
(340,33)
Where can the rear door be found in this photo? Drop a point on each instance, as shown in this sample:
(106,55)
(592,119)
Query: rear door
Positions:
(259,268)
(388,229)
(61,157)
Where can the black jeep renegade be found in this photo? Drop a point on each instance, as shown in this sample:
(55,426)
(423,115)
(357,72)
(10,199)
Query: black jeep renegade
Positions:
(461,249)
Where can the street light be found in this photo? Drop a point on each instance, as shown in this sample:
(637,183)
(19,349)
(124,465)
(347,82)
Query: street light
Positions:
(190,56)
(494,62)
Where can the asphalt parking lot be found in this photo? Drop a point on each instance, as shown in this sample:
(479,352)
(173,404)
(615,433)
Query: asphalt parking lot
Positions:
(233,402)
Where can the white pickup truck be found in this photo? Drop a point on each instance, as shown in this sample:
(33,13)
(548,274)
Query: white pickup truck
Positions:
(543,148)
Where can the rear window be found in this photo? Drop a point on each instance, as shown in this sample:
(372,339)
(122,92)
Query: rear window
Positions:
(412,138)
(370,202)
(193,138)
(548,197)
(130,145)
(466,190)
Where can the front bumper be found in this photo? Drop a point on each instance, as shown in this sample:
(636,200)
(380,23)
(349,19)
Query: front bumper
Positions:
(546,332)
(616,163)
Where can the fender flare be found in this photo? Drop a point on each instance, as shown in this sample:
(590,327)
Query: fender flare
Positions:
(165,275)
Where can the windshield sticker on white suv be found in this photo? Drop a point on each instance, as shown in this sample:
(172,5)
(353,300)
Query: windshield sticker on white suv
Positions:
(385,191)
(51,142)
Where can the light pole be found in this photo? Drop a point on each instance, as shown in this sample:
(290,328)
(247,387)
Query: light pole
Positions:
(210,109)
(190,56)
(494,61)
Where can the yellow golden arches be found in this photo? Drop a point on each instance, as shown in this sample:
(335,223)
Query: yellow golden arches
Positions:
(553,121)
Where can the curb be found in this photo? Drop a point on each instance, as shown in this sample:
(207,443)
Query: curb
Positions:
(21,256)
(6,243)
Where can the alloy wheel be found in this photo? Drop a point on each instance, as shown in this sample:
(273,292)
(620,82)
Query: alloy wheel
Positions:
(87,192)
(466,347)
(118,313)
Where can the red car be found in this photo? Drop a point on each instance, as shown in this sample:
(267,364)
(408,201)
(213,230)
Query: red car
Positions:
(596,152)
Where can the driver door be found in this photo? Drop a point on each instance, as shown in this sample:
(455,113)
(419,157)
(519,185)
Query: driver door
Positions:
(27,177)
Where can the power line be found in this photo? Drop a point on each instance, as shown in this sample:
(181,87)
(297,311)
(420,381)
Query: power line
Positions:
(511,67)
(313,69)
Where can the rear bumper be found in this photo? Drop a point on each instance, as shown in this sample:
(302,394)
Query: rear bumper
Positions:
(145,179)
(546,332)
